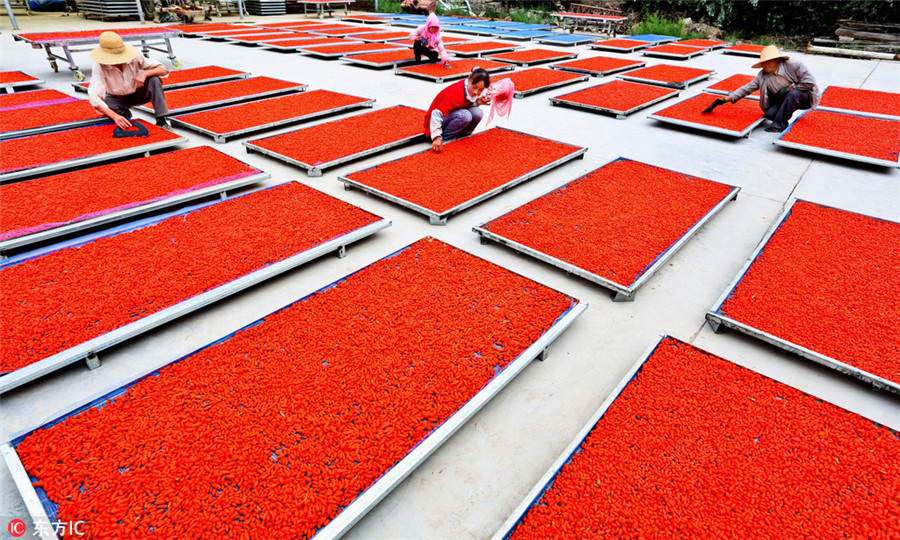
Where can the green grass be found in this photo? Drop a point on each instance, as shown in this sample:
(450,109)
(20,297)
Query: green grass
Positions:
(656,24)
(388,6)
(530,16)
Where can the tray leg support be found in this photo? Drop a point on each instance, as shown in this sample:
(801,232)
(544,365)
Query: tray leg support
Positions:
(342,252)
(717,327)
(621,297)
(93,362)
(545,352)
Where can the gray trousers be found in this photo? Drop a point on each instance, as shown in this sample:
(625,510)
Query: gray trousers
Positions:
(460,122)
(152,91)
(782,107)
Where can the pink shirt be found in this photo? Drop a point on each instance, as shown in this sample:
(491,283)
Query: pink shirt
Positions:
(106,79)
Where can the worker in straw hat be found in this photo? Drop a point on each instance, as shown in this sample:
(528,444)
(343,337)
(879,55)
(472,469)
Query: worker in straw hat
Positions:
(785,85)
(122,78)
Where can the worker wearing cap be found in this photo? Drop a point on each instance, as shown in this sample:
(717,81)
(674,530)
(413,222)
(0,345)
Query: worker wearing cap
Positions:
(122,78)
(785,85)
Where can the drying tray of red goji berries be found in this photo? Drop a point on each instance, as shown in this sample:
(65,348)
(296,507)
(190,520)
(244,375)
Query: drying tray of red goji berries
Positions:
(9,80)
(459,69)
(215,95)
(383,60)
(381,37)
(677,52)
(598,226)
(479,48)
(862,102)
(292,45)
(25,121)
(254,40)
(172,249)
(744,49)
(620,98)
(190,77)
(33,98)
(338,51)
(332,143)
(442,184)
(598,66)
(364,19)
(534,80)
(734,119)
(445,39)
(92,36)
(38,155)
(527,57)
(191,30)
(691,445)
(846,136)
(801,291)
(338,32)
(730,84)
(668,75)
(358,429)
(238,120)
(46,208)
(619,45)
(222,35)
(708,44)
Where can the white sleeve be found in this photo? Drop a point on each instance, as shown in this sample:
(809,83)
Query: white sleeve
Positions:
(437,119)
(97,86)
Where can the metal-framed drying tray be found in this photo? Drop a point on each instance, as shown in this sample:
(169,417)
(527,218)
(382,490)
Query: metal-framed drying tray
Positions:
(355,59)
(222,137)
(363,19)
(718,92)
(738,52)
(316,170)
(128,213)
(832,153)
(526,93)
(373,494)
(717,320)
(327,55)
(655,39)
(883,116)
(11,86)
(88,350)
(647,52)
(546,482)
(440,218)
(527,63)
(274,36)
(526,35)
(567,40)
(682,84)
(711,129)
(53,127)
(227,101)
(599,46)
(470,54)
(275,46)
(80,87)
(42,170)
(360,37)
(450,77)
(620,114)
(458,28)
(594,73)
(621,293)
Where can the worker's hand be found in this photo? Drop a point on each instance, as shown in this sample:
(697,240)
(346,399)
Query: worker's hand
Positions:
(140,78)
(483,100)
(784,90)
(437,144)
(122,122)
(447,65)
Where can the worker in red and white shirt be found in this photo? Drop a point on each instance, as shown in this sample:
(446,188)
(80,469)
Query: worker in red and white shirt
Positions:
(454,112)
(122,78)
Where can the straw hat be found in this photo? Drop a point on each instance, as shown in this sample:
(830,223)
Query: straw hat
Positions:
(112,50)
(769,52)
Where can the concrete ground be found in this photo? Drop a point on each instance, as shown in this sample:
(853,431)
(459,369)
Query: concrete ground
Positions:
(469,486)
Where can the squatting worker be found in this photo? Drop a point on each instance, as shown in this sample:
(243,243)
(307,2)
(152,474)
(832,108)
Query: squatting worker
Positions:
(785,85)
(454,112)
(427,40)
(122,78)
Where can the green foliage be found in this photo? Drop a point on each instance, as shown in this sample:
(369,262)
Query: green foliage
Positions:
(541,15)
(654,23)
(389,6)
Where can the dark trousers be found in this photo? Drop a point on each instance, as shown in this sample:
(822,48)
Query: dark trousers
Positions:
(420,50)
(152,91)
(782,107)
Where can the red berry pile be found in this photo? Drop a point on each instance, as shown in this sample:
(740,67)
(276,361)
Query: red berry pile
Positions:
(387,57)
(33,98)
(60,146)
(827,280)
(457,67)
(854,99)
(51,201)
(730,116)
(599,64)
(382,35)
(730,84)
(621,43)
(530,55)
(47,115)
(848,133)
(352,48)
(329,141)
(746,47)
(615,221)
(8,77)
(705,43)
(534,78)
(212,93)
(311,41)
(668,74)
(344,31)
(618,96)
(62,36)
(267,111)
(272,432)
(464,169)
(681,50)
(698,447)
(477,46)
(75,294)
(271,36)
